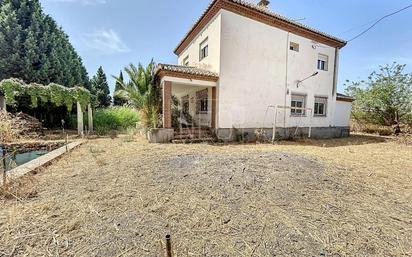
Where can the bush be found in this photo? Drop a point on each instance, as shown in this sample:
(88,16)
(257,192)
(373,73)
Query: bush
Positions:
(370,128)
(107,120)
(117,118)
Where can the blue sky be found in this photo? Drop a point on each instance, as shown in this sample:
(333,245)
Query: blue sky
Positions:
(114,33)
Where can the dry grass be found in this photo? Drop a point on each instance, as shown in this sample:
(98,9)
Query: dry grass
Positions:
(346,197)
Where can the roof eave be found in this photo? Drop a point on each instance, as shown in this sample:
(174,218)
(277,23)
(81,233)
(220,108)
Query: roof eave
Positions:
(216,5)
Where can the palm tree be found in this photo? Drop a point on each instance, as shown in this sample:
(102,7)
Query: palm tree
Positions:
(141,92)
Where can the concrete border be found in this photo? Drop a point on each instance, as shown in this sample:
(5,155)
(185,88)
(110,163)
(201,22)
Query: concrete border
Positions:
(37,163)
(230,135)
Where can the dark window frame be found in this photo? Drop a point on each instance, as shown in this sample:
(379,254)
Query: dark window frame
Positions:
(321,103)
(204,49)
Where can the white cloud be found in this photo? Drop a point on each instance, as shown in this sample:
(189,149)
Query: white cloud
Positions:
(105,41)
(82,2)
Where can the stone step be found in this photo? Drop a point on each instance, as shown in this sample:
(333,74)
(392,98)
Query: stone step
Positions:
(194,140)
(185,132)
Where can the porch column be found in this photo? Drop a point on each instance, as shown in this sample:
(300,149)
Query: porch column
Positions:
(80,129)
(214,106)
(90,118)
(167,104)
(2,103)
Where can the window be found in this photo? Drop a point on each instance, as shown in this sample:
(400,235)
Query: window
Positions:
(298,105)
(204,50)
(186,61)
(294,47)
(323,62)
(202,105)
(320,106)
(185,104)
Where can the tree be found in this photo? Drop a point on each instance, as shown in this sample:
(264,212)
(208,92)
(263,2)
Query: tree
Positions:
(34,48)
(142,92)
(11,61)
(100,88)
(385,98)
(117,99)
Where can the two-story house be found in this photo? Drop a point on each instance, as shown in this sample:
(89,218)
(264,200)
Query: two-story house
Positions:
(242,67)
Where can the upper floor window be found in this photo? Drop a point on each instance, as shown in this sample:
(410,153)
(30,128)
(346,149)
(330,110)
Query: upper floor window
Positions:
(323,62)
(204,49)
(294,46)
(321,104)
(186,61)
(298,105)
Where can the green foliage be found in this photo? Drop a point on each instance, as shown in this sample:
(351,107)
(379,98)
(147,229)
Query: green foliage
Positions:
(100,88)
(117,99)
(385,98)
(35,49)
(57,94)
(116,118)
(142,92)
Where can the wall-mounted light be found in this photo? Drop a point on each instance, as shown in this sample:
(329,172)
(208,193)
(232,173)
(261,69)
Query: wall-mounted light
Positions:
(311,76)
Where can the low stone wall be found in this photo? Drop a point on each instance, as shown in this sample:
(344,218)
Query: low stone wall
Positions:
(249,134)
(160,136)
(38,163)
(25,147)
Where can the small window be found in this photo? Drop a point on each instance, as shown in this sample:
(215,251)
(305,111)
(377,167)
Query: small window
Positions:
(323,62)
(202,101)
(298,105)
(186,61)
(204,49)
(321,104)
(294,46)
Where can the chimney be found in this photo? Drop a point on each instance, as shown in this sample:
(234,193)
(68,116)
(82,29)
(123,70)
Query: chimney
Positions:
(264,3)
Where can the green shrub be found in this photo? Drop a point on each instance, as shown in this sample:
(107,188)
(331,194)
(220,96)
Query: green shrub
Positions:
(107,120)
(116,118)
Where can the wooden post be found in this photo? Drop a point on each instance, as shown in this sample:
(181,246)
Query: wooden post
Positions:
(80,129)
(90,116)
(2,103)
(4,166)
(168,246)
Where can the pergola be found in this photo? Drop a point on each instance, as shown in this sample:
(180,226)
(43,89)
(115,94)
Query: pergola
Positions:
(57,94)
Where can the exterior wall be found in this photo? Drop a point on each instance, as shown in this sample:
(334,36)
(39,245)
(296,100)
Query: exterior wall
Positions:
(258,70)
(343,112)
(212,32)
(200,119)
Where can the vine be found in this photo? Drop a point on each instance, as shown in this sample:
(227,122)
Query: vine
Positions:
(57,94)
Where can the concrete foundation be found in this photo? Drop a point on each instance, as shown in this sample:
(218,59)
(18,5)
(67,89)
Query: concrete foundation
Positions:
(249,134)
(160,136)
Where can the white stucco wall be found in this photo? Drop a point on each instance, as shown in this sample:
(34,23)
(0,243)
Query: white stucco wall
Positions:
(342,114)
(254,75)
(212,31)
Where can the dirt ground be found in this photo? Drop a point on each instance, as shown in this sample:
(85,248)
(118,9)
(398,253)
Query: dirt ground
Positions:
(345,197)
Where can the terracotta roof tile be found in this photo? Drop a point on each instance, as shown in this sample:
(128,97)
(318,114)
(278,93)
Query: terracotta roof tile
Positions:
(343,97)
(186,70)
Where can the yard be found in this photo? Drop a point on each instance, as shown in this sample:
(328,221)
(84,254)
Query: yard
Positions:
(344,197)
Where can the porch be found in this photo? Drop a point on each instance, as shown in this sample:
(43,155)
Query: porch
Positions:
(189,98)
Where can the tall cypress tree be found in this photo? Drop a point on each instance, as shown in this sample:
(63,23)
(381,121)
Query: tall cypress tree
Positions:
(101,89)
(118,101)
(11,48)
(34,48)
